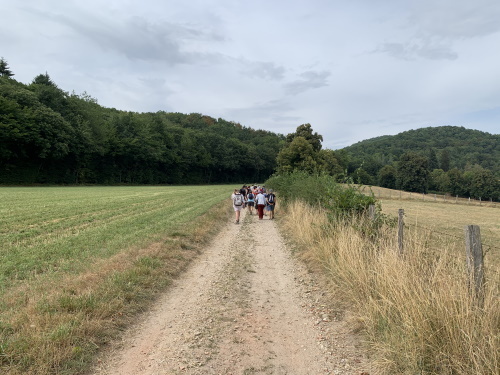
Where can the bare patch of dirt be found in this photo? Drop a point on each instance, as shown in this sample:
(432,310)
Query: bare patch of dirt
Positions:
(246,306)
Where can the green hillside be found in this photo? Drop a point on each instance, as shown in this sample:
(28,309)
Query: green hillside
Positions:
(48,136)
(465,147)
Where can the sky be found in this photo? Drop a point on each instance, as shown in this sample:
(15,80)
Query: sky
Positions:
(353,69)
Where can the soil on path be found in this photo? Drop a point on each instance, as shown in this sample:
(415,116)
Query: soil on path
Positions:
(246,306)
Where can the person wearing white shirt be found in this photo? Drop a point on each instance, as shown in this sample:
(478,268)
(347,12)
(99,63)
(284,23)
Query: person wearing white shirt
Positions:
(260,201)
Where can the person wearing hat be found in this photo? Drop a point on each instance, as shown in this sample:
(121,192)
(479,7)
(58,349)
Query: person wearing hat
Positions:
(271,203)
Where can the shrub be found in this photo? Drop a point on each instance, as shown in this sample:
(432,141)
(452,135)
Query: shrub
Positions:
(321,190)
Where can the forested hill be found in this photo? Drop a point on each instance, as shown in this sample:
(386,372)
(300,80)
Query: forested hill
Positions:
(50,136)
(446,147)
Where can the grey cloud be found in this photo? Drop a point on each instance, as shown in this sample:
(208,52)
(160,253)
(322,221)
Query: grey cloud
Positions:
(438,24)
(456,18)
(309,80)
(264,70)
(139,39)
(419,49)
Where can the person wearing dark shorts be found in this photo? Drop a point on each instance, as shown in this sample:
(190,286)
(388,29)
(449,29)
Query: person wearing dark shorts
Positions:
(250,202)
(271,203)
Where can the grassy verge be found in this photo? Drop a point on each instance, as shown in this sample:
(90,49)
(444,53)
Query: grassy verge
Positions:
(79,263)
(415,311)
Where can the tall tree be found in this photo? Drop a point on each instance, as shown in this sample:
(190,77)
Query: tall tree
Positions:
(387,177)
(4,69)
(413,172)
(298,155)
(306,131)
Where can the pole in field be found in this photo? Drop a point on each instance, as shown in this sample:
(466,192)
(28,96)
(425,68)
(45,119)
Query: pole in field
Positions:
(401,224)
(475,265)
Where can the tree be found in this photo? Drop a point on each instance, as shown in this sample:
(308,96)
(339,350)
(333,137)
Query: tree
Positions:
(413,173)
(328,163)
(49,94)
(306,131)
(482,183)
(387,177)
(444,160)
(298,155)
(439,181)
(433,160)
(456,182)
(44,79)
(362,177)
(4,69)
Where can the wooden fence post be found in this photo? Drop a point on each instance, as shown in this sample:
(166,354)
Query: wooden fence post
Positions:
(401,224)
(371,212)
(475,265)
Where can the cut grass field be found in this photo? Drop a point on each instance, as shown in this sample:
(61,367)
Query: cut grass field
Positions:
(78,262)
(444,222)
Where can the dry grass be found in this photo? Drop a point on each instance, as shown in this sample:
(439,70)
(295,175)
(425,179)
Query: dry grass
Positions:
(384,193)
(415,310)
(446,222)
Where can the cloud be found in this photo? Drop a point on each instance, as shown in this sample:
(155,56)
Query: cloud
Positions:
(456,19)
(437,26)
(263,70)
(310,80)
(418,49)
(140,39)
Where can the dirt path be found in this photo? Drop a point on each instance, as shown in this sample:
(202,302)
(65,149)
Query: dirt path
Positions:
(245,307)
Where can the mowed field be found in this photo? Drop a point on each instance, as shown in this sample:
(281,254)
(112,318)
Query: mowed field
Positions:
(444,221)
(77,262)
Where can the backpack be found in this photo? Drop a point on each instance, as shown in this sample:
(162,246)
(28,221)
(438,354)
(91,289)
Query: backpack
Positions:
(270,198)
(238,199)
(251,196)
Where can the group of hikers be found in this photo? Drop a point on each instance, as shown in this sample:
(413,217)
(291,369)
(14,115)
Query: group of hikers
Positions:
(254,196)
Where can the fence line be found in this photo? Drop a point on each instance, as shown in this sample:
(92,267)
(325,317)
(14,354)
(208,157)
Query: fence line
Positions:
(474,255)
(420,226)
(380,192)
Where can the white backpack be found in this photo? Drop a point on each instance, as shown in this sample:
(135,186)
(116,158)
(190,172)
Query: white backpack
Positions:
(238,199)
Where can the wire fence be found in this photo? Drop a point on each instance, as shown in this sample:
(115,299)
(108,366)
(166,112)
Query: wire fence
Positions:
(384,193)
(459,239)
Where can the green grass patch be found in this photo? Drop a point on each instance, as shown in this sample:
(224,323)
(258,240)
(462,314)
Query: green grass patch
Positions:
(78,262)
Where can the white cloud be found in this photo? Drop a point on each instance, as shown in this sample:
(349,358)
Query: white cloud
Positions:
(353,70)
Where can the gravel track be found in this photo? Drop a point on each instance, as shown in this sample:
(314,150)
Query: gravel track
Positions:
(245,306)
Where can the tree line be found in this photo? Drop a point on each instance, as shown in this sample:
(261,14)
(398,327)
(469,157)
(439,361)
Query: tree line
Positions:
(444,159)
(407,161)
(48,136)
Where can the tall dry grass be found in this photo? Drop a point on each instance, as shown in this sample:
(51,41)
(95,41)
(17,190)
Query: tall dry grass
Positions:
(415,310)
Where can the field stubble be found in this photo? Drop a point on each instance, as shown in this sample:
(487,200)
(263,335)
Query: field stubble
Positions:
(77,263)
